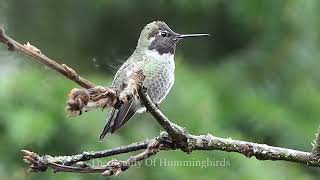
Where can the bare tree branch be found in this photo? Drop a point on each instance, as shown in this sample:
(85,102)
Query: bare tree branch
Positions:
(113,167)
(78,99)
(207,142)
(175,136)
(85,156)
(210,142)
(37,55)
(178,134)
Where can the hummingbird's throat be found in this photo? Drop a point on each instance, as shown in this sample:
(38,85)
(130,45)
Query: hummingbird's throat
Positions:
(162,45)
(158,56)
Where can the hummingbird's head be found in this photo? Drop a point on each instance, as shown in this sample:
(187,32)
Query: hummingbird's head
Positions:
(158,36)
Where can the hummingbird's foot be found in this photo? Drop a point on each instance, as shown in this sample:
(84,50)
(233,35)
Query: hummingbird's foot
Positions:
(103,97)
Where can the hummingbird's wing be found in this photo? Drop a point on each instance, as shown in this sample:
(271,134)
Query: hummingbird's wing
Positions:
(118,118)
(121,115)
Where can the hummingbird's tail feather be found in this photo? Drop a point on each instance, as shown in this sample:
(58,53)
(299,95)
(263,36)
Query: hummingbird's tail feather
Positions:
(118,118)
(107,128)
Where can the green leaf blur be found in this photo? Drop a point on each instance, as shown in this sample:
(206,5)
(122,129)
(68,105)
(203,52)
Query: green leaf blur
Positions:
(256,79)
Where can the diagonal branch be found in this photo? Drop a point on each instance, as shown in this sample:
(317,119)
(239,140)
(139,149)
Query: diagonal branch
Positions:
(85,156)
(40,57)
(177,133)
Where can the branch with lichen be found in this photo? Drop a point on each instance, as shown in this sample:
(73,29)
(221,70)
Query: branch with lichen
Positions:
(175,137)
(76,163)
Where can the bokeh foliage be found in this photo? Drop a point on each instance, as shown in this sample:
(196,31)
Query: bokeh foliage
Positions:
(257,79)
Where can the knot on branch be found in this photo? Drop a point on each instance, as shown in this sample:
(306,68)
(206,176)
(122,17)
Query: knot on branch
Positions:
(37,163)
(178,134)
(70,73)
(115,167)
(33,48)
(247,150)
(80,100)
(77,100)
(181,138)
(6,40)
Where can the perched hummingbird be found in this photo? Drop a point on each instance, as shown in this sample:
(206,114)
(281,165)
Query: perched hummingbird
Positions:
(154,55)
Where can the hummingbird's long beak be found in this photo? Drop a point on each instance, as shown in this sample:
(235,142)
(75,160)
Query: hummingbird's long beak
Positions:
(181,36)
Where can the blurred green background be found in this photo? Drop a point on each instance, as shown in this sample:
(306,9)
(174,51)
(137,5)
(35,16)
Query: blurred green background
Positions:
(256,79)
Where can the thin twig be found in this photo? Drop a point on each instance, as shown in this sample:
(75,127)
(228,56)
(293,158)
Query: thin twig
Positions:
(113,167)
(78,99)
(85,156)
(37,55)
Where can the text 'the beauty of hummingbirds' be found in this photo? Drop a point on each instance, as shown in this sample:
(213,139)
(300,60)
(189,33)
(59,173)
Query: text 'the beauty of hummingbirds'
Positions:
(154,55)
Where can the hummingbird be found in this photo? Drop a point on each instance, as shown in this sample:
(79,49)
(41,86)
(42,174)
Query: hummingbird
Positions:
(154,55)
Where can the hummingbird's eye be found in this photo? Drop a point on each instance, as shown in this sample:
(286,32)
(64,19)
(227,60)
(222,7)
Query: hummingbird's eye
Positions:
(164,34)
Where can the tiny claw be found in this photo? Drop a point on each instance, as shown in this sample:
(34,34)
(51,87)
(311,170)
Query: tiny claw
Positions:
(26,152)
(26,161)
(80,102)
(30,159)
